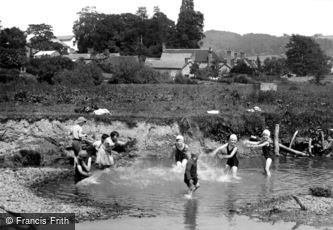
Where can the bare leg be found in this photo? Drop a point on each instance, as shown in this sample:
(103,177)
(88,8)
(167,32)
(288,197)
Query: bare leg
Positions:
(184,162)
(234,172)
(267,166)
(226,169)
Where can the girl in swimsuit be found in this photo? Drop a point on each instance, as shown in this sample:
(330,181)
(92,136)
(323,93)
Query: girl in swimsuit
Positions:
(231,154)
(267,149)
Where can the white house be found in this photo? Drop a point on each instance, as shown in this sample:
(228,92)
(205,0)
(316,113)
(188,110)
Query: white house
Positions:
(70,42)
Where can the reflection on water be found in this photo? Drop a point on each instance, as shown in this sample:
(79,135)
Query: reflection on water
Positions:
(190,214)
(153,184)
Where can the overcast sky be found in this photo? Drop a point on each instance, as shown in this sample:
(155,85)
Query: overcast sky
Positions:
(275,17)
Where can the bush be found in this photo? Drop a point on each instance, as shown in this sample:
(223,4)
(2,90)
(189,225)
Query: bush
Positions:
(180,79)
(267,97)
(82,74)
(7,75)
(319,191)
(128,71)
(45,68)
(244,79)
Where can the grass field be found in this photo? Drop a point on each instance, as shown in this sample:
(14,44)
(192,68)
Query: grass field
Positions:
(294,105)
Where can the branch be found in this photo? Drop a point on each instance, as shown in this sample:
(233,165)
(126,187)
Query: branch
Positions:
(299,202)
(292,150)
(293,139)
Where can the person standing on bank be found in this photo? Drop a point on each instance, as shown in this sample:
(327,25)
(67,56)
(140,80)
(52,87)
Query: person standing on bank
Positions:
(77,135)
(231,154)
(179,152)
(82,167)
(267,149)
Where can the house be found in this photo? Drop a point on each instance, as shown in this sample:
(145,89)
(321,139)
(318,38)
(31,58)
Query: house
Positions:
(86,57)
(49,53)
(69,41)
(224,69)
(176,61)
(172,64)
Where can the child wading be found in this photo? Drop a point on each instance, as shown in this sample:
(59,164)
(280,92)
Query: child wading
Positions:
(180,150)
(191,175)
(231,154)
(82,168)
(103,159)
(267,149)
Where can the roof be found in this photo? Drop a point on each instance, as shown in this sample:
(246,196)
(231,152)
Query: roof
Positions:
(200,55)
(263,57)
(119,59)
(170,61)
(49,52)
(75,57)
(65,37)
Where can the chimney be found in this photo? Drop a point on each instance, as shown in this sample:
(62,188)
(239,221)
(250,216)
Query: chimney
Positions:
(235,55)
(242,55)
(210,56)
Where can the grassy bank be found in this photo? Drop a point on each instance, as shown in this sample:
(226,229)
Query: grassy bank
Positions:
(296,106)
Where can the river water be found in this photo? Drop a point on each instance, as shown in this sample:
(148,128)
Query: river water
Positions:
(157,187)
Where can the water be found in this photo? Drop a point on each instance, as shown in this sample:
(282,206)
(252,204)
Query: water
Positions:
(158,188)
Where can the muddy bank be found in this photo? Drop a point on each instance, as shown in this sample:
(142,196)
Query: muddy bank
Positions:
(319,210)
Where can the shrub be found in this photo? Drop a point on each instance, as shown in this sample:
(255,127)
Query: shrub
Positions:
(128,71)
(180,79)
(320,191)
(267,96)
(45,68)
(7,75)
(244,79)
(82,74)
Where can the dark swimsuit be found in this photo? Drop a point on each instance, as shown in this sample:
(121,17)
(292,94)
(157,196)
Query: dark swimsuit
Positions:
(267,151)
(78,176)
(191,172)
(180,155)
(233,161)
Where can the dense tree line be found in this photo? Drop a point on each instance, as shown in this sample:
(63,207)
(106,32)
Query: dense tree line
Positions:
(137,34)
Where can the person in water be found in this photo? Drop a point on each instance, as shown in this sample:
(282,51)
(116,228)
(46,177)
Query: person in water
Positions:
(191,175)
(103,159)
(180,150)
(83,166)
(267,149)
(230,150)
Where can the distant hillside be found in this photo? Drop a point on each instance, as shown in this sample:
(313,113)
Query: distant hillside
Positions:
(255,44)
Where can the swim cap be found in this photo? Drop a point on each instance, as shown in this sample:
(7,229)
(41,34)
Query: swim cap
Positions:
(179,137)
(266,132)
(233,137)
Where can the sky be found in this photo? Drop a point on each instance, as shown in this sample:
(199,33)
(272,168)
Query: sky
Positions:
(274,17)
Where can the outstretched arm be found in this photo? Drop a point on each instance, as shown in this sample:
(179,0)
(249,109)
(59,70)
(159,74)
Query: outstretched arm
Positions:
(260,144)
(218,149)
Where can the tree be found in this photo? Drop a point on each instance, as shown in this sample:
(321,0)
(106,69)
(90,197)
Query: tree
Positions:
(189,26)
(12,48)
(43,38)
(305,57)
(84,28)
(242,68)
(142,13)
(259,64)
(275,66)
